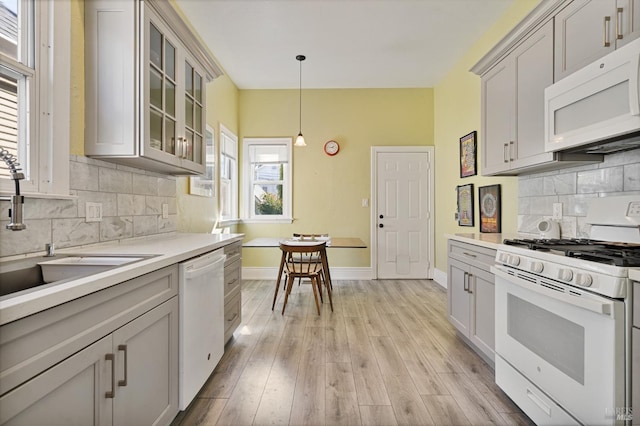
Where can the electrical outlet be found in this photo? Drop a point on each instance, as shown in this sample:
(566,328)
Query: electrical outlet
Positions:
(165,211)
(557,211)
(365,202)
(93,212)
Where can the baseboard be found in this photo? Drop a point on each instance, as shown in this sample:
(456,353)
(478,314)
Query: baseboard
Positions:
(258,273)
(440,277)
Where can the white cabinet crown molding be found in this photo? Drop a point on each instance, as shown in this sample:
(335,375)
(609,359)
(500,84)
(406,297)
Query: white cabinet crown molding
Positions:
(540,14)
(187,36)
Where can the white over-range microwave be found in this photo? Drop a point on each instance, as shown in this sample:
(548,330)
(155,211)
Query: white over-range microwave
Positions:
(596,109)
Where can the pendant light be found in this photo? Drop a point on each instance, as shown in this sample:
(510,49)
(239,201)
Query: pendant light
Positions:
(300,139)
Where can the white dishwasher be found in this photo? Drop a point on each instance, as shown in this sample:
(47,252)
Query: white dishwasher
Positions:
(201,298)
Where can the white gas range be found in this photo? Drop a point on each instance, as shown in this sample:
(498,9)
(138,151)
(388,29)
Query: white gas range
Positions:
(563,319)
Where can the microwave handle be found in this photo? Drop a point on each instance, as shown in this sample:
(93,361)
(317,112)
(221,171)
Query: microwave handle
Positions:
(603,308)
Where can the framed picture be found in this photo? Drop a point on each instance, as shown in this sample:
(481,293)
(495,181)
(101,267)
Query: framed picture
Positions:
(468,155)
(205,185)
(465,205)
(489,199)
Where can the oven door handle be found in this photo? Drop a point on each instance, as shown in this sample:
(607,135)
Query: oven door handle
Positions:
(599,307)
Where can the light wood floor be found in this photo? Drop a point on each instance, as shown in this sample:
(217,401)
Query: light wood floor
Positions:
(387,355)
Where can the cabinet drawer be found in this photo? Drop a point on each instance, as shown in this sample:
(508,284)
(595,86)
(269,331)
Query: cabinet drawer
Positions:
(231,278)
(233,252)
(232,316)
(636,306)
(33,344)
(480,257)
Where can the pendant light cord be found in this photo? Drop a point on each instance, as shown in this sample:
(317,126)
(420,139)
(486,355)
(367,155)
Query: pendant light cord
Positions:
(300,58)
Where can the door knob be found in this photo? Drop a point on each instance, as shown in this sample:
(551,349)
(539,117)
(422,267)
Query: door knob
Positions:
(381,217)
(381,226)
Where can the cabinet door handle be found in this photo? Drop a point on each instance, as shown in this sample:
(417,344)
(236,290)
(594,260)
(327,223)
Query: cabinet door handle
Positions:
(607,22)
(465,282)
(123,382)
(233,317)
(469,283)
(511,147)
(110,357)
(504,153)
(619,23)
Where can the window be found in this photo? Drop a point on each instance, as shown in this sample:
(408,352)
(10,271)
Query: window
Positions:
(267,178)
(35,93)
(228,174)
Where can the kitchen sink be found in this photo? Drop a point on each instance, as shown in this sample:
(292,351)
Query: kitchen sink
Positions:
(28,273)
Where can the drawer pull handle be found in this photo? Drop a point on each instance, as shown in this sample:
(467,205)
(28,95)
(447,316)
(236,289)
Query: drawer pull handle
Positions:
(231,282)
(233,317)
(465,282)
(469,254)
(110,357)
(124,381)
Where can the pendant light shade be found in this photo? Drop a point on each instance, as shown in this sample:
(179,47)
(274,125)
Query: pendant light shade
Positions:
(300,139)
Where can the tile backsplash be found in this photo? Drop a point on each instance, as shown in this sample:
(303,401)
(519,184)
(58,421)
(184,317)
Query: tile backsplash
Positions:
(618,174)
(131,201)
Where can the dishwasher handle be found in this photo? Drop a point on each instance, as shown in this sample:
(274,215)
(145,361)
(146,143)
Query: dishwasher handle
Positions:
(191,272)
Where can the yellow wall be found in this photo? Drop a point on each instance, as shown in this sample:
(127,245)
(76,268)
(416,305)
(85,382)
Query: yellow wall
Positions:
(195,213)
(457,112)
(328,191)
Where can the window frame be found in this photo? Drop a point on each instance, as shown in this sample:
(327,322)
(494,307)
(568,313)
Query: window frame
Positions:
(227,136)
(248,182)
(44,138)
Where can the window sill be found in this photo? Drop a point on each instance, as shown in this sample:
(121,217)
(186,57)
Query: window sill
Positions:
(282,220)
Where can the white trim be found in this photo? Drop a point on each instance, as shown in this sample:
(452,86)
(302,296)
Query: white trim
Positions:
(440,277)
(339,273)
(430,151)
(224,131)
(287,182)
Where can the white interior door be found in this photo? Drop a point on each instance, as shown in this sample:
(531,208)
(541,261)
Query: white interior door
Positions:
(403,199)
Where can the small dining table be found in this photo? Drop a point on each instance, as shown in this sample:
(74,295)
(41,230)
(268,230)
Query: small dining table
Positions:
(336,242)
(333,242)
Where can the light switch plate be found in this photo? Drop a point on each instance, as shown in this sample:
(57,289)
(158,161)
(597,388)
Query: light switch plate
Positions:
(93,212)
(557,211)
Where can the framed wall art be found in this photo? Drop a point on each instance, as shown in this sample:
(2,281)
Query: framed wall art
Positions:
(205,185)
(489,199)
(465,205)
(468,157)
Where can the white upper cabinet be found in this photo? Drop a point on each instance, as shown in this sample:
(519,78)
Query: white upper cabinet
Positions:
(589,29)
(145,87)
(514,75)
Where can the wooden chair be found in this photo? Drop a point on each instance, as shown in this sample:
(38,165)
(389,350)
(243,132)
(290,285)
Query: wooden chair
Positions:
(295,264)
(314,237)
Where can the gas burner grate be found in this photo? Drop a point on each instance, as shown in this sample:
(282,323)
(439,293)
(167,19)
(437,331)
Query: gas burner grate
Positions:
(618,254)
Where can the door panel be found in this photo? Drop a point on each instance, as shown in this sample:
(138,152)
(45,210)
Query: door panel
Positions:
(403,180)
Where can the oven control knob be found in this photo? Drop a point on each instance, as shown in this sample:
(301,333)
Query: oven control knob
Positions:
(504,258)
(536,267)
(584,280)
(565,274)
(514,260)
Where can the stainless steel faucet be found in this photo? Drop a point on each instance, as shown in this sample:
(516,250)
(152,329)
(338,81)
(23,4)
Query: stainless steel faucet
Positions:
(17,200)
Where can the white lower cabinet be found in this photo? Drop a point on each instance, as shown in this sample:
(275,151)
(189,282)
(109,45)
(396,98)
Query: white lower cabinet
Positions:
(470,291)
(127,375)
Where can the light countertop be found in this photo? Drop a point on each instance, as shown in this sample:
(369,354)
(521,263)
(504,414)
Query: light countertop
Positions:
(634,274)
(490,241)
(166,250)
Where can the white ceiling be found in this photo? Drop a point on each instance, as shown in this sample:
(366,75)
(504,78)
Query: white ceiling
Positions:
(348,43)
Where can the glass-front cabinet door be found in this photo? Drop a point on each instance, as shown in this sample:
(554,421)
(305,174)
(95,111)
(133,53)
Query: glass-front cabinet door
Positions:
(173,100)
(194,119)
